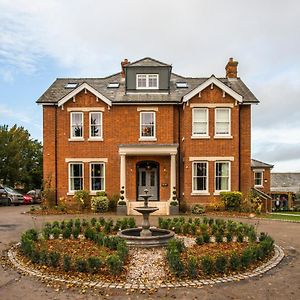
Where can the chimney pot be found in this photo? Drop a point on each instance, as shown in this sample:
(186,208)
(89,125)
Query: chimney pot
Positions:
(124,63)
(231,68)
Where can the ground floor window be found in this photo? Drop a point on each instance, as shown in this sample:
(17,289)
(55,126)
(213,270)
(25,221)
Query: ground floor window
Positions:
(75,177)
(258,178)
(200,176)
(97,176)
(222,173)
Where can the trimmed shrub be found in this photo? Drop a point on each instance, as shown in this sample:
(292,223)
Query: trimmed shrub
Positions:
(221,264)
(99,203)
(175,263)
(207,265)
(231,200)
(246,258)
(56,231)
(176,244)
(234,261)
(67,264)
(54,258)
(70,223)
(43,257)
(219,238)
(192,267)
(32,234)
(240,238)
(90,234)
(131,223)
(183,207)
(122,250)
(35,256)
(199,240)
(76,232)
(66,233)
(206,237)
(229,237)
(83,198)
(77,223)
(93,221)
(211,222)
(198,209)
(46,233)
(108,226)
(93,264)
(81,265)
(114,264)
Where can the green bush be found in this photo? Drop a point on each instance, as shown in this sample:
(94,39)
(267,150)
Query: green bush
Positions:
(198,209)
(54,258)
(93,221)
(206,237)
(221,264)
(27,246)
(207,265)
(32,234)
(192,267)
(231,200)
(70,223)
(108,226)
(240,238)
(90,234)
(234,261)
(93,264)
(46,233)
(175,263)
(131,223)
(76,232)
(183,207)
(114,264)
(81,265)
(112,202)
(246,258)
(67,263)
(43,257)
(83,198)
(55,224)
(176,244)
(66,233)
(199,240)
(35,257)
(77,223)
(99,204)
(229,237)
(122,250)
(219,238)
(211,221)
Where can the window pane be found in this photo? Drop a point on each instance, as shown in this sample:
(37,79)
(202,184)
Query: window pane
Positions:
(200,128)
(200,115)
(222,176)
(200,121)
(222,115)
(143,178)
(222,128)
(76,179)
(95,123)
(200,176)
(147,124)
(142,81)
(76,124)
(152,81)
(152,178)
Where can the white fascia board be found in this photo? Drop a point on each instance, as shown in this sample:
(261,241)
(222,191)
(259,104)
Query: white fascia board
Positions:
(150,150)
(218,83)
(79,89)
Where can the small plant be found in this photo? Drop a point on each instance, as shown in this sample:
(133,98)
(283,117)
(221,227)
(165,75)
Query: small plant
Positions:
(93,221)
(234,261)
(221,264)
(54,258)
(131,223)
(175,263)
(122,250)
(246,258)
(43,257)
(100,202)
(183,207)
(114,264)
(77,223)
(75,232)
(198,209)
(66,233)
(229,237)
(35,256)
(199,240)
(192,267)
(93,264)
(56,231)
(207,265)
(83,198)
(206,237)
(90,234)
(231,200)
(67,263)
(112,202)
(81,265)
(219,238)
(240,238)
(46,233)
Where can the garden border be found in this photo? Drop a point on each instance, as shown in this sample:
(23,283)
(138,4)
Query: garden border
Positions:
(273,262)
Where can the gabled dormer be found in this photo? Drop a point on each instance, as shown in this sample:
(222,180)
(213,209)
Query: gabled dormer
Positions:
(146,76)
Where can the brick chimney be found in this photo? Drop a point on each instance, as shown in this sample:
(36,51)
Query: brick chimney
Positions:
(231,68)
(124,63)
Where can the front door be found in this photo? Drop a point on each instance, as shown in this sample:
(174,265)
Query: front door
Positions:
(148,179)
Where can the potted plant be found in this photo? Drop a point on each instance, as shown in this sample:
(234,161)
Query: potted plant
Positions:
(122,205)
(174,204)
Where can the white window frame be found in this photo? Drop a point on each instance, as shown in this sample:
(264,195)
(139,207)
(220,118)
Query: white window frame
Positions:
(90,177)
(147,87)
(194,191)
(229,176)
(71,126)
(148,138)
(72,192)
(262,178)
(221,135)
(100,137)
(204,135)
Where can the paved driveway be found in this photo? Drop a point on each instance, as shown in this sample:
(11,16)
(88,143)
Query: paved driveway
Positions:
(283,282)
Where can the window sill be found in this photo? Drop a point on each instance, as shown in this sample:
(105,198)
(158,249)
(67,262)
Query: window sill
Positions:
(76,139)
(93,193)
(217,193)
(70,193)
(95,139)
(147,139)
(200,194)
(221,137)
(259,186)
(195,137)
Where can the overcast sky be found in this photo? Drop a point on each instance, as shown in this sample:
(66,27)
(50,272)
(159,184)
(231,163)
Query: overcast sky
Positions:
(42,40)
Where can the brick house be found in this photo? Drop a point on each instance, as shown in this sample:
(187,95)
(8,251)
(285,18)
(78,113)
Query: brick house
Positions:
(146,127)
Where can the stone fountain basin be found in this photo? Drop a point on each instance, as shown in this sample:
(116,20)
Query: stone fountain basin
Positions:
(142,209)
(159,238)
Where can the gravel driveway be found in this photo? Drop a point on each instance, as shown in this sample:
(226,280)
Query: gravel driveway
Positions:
(283,282)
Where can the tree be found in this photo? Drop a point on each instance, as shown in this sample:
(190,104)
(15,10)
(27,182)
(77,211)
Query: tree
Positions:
(21,158)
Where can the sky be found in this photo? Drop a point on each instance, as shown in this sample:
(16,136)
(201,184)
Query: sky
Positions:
(43,40)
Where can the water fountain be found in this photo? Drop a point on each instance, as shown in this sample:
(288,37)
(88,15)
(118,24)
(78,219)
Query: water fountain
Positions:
(146,236)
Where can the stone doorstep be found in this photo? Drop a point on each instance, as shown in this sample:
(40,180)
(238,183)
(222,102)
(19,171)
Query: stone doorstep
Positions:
(279,255)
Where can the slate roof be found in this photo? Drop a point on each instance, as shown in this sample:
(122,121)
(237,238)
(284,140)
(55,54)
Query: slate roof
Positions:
(117,95)
(285,182)
(147,62)
(259,164)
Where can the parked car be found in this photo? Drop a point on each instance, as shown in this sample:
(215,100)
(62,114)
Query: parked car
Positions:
(14,197)
(27,199)
(36,195)
(3,196)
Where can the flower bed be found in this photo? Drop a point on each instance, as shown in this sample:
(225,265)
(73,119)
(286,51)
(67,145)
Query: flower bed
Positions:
(221,247)
(87,247)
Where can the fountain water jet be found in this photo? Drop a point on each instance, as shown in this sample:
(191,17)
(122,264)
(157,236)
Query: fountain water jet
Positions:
(145,236)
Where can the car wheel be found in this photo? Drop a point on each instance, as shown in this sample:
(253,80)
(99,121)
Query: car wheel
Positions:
(9,202)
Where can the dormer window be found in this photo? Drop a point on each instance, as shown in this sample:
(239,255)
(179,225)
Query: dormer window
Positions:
(147,81)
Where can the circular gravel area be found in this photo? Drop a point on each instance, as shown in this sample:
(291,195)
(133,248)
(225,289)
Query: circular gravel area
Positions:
(147,271)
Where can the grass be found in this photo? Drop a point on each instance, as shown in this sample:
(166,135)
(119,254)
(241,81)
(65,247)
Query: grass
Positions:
(282,217)
(287,212)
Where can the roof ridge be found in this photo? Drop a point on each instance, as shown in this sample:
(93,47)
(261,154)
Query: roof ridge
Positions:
(147,57)
(83,78)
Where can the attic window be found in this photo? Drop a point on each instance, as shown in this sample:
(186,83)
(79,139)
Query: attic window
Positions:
(181,85)
(113,85)
(71,85)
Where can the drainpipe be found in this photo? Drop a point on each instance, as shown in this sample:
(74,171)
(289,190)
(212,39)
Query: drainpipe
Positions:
(55,154)
(179,155)
(239,135)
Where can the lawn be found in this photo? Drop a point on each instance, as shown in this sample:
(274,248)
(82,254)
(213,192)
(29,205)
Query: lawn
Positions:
(277,216)
(287,212)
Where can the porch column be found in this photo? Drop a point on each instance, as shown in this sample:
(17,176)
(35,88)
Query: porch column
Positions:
(123,173)
(172,174)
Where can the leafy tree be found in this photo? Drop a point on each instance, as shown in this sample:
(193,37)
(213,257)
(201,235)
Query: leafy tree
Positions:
(21,158)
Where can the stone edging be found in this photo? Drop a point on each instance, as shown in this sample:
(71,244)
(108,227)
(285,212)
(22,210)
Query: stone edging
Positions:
(273,262)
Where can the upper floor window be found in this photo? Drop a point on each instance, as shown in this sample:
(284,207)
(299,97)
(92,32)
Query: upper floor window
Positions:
(222,173)
(97,177)
(147,125)
(200,177)
(200,122)
(95,125)
(258,178)
(76,124)
(147,81)
(75,177)
(222,122)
